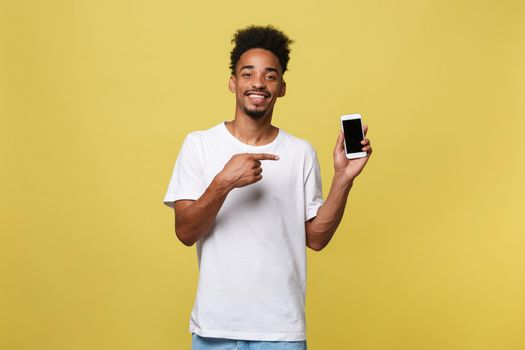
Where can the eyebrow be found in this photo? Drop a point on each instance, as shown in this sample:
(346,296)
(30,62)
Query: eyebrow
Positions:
(268,69)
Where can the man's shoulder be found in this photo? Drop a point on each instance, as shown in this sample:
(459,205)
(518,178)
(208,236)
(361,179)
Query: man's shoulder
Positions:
(200,135)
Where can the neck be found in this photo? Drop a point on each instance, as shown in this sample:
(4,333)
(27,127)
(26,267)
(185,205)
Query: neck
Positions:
(254,132)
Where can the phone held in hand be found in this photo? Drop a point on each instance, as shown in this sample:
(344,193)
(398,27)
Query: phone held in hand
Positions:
(353,131)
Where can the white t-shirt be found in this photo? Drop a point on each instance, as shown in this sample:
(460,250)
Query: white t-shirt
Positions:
(252,266)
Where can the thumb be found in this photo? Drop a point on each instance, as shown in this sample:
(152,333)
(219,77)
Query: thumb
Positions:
(339,146)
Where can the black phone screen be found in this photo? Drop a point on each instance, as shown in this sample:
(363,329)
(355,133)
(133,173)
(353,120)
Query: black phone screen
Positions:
(353,135)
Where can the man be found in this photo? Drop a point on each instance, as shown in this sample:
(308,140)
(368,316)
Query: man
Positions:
(252,227)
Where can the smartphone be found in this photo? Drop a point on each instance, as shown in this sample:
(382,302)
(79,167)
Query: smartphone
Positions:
(353,131)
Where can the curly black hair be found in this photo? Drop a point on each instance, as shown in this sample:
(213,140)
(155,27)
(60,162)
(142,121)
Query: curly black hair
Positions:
(263,37)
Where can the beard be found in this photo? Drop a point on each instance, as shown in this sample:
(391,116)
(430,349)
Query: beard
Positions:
(255,114)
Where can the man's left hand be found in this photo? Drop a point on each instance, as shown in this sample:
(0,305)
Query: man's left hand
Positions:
(348,169)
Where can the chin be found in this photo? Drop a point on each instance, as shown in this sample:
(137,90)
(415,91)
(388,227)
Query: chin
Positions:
(255,114)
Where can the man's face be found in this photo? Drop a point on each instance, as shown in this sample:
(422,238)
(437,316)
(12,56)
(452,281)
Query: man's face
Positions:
(257,83)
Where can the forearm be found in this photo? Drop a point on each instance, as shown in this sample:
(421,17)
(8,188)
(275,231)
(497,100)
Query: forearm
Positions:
(320,230)
(195,221)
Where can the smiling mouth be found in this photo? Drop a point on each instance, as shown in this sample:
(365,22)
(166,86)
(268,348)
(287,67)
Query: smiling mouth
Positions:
(257,96)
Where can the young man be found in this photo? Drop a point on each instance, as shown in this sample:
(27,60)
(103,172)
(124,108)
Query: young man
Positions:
(252,227)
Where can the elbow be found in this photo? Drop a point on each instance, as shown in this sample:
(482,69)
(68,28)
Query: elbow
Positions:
(187,241)
(316,246)
(184,233)
(317,240)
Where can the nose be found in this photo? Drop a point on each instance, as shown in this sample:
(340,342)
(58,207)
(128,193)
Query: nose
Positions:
(259,82)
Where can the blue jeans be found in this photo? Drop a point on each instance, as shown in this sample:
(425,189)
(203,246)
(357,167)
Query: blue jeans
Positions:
(201,343)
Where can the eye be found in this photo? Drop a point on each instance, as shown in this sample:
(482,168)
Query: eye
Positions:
(271,77)
(246,75)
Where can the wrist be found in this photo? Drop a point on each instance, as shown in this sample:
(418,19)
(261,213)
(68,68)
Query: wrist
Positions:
(342,180)
(220,185)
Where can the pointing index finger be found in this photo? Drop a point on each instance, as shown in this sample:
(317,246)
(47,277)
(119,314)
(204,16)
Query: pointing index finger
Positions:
(264,156)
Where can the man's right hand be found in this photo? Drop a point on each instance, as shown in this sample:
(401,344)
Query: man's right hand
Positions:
(194,218)
(243,169)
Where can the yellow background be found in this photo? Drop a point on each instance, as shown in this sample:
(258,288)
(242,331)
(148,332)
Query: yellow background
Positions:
(96,97)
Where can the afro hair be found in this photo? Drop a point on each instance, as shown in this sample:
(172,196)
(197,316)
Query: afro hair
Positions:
(262,37)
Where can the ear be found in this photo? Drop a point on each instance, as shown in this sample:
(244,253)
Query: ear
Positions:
(232,83)
(282,91)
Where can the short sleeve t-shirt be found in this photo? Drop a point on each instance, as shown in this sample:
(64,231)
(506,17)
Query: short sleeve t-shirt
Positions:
(252,265)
